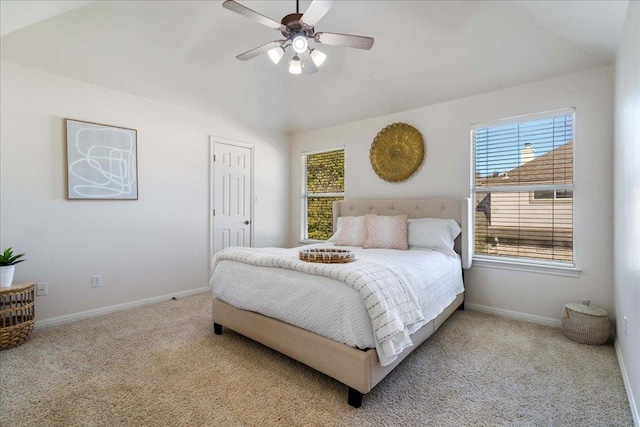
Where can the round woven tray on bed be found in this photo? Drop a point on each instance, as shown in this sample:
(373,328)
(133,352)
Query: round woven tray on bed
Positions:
(327,256)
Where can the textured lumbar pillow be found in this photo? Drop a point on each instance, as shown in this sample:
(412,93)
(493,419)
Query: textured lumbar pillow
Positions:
(387,232)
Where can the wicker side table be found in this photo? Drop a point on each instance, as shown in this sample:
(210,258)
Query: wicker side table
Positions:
(17,314)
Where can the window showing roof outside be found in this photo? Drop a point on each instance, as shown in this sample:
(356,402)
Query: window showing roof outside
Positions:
(322,184)
(523,189)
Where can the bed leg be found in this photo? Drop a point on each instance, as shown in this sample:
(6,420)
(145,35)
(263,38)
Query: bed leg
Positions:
(355,398)
(217,329)
(461,306)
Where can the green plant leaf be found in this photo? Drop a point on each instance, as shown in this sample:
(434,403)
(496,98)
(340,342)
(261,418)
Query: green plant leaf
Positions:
(14,258)
(7,258)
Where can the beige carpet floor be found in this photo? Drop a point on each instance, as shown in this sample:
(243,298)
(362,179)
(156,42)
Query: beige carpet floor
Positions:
(162,365)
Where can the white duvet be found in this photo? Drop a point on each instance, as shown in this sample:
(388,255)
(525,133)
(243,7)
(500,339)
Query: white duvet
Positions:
(336,309)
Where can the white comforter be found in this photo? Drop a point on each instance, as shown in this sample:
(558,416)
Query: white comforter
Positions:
(423,284)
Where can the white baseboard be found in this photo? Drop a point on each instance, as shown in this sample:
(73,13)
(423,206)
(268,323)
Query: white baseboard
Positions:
(547,321)
(55,321)
(627,385)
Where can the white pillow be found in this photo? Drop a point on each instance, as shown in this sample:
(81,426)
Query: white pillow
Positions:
(352,231)
(433,233)
(386,232)
(338,226)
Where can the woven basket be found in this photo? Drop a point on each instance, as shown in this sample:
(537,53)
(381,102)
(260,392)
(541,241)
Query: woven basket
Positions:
(327,256)
(17,315)
(585,324)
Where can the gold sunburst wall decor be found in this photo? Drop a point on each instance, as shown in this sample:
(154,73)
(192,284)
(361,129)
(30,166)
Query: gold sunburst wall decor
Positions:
(397,152)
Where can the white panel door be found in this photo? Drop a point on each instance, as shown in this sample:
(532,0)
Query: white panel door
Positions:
(232,181)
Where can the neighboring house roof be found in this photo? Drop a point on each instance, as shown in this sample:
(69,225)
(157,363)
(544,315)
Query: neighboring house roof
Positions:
(553,167)
(483,204)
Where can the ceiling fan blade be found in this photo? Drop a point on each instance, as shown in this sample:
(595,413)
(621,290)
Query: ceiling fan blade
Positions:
(347,40)
(309,66)
(259,50)
(316,10)
(252,14)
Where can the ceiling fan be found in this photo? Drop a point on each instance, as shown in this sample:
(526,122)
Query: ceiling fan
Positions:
(298,29)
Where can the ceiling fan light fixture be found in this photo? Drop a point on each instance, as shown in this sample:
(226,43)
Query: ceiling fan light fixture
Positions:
(276,54)
(300,44)
(295,65)
(297,29)
(318,57)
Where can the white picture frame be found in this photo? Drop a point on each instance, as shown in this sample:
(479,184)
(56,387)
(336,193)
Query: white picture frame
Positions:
(102,161)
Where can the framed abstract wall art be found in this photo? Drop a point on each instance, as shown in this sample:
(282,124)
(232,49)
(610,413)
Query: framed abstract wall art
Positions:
(101,161)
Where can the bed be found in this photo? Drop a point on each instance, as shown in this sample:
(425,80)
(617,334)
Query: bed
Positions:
(349,359)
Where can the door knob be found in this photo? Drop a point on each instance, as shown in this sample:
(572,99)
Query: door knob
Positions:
(247,222)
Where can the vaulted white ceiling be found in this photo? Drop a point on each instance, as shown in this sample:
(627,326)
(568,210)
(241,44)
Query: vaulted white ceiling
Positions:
(183,53)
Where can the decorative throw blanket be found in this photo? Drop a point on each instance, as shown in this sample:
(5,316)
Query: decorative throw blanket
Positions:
(391,304)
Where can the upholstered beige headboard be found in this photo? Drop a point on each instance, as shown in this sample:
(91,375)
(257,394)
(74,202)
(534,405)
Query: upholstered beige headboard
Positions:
(458,209)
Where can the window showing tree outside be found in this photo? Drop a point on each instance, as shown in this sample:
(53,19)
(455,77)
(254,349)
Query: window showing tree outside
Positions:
(523,189)
(322,184)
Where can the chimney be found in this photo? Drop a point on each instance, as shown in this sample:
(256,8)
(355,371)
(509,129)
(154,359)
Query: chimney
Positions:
(527,153)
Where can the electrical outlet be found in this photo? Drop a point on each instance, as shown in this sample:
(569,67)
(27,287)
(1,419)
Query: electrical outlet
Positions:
(96,281)
(41,288)
(624,325)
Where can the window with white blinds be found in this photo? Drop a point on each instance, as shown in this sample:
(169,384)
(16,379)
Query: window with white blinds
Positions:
(523,189)
(322,184)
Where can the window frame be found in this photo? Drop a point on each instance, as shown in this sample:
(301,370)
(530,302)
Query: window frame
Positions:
(304,195)
(533,265)
(554,198)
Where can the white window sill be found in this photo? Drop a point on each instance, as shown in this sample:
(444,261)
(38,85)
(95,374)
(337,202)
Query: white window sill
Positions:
(309,242)
(556,270)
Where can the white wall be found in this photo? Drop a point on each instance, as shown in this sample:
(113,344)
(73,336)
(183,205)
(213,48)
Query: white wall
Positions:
(446,172)
(155,246)
(627,203)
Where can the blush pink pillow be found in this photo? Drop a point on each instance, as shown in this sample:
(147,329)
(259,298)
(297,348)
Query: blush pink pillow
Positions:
(352,232)
(386,232)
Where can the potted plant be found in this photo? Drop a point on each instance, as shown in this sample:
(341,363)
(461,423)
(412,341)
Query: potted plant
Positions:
(8,263)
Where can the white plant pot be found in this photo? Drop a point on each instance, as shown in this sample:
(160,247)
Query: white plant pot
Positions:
(6,275)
